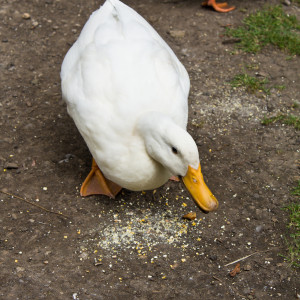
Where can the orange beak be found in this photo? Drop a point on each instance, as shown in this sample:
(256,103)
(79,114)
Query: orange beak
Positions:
(201,194)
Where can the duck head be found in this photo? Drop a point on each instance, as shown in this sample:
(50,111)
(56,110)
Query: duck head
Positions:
(174,148)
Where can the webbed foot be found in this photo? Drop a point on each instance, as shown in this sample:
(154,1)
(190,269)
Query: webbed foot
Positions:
(96,184)
(220,7)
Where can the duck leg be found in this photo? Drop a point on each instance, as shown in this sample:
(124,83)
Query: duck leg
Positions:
(220,7)
(97,184)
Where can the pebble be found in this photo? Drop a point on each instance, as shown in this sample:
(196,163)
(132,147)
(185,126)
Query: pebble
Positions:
(29,126)
(177,33)
(213,257)
(11,166)
(153,18)
(246,290)
(26,16)
(20,269)
(84,255)
(259,228)
(34,24)
(247,268)
(34,81)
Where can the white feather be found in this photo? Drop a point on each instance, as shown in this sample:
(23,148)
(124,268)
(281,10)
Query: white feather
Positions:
(124,87)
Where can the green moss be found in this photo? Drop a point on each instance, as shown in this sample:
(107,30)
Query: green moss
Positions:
(268,26)
(251,83)
(289,120)
(294,227)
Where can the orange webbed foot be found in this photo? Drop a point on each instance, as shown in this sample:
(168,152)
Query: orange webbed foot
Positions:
(175,178)
(220,7)
(96,184)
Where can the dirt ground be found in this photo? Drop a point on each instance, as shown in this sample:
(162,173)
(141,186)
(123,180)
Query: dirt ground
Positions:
(138,246)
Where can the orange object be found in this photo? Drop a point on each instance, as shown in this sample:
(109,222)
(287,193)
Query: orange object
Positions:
(236,270)
(220,7)
(97,184)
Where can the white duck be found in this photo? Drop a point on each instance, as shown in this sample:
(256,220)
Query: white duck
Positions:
(127,94)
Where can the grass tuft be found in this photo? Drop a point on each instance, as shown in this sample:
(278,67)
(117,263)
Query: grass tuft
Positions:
(252,84)
(294,225)
(289,120)
(268,26)
(296,190)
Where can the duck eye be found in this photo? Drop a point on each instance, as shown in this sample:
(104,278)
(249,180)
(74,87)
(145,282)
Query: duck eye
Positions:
(174,150)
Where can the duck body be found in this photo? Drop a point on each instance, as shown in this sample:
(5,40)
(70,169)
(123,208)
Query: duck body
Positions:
(127,94)
(120,57)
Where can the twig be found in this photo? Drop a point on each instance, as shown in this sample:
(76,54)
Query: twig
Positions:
(34,204)
(245,257)
(216,278)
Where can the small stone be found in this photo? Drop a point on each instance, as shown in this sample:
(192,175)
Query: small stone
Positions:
(34,81)
(287,2)
(174,266)
(84,255)
(246,290)
(34,24)
(11,166)
(247,268)
(153,18)
(26,16)
(14,216)
(29,126)
(20,269)
(213,257)
(46,262)
(177,33)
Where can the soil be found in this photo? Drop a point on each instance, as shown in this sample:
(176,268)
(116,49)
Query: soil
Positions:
(138,246)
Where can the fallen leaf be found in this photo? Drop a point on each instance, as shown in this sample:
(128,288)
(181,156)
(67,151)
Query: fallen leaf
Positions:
(236,270)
